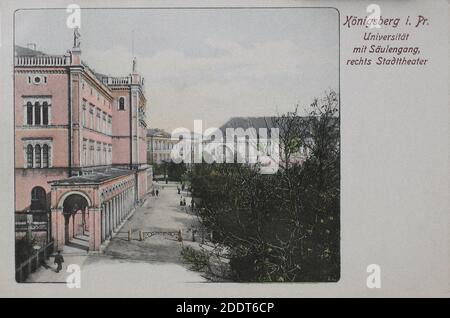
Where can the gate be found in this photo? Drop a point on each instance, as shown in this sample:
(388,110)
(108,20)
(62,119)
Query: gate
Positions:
(32,221)
(143,235)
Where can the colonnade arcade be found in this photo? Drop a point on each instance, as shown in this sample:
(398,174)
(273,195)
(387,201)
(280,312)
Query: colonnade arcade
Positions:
(92,211)
(117,203)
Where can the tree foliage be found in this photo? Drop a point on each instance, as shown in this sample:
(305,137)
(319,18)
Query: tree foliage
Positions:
(283,226)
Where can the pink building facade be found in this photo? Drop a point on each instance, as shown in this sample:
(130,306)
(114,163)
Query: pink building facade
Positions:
(80,145)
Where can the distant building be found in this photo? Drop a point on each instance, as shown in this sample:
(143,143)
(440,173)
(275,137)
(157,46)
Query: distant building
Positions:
(159,145)
(80,144)
(243,126)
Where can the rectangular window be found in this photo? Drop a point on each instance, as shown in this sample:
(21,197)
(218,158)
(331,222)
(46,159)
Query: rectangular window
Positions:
(45,157)
(91,154)
(99,157)
(104,127)
(109,125)
(37,156)
(91,117)
(83,113)
(30,156)
(98,123)
(84,154)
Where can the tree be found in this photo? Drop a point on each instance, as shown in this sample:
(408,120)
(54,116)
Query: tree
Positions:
(284,226)
(175,171)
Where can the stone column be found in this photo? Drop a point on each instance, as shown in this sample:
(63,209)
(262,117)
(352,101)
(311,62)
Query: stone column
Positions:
(116,210)
(108,204)
(119,201)
(130,203)
(122,206)
(103,222)
(94,229)
(127,196)
(119,219)
(57,233)
(113,211)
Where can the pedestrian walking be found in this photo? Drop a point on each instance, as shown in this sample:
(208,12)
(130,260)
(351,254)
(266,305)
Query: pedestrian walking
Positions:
(157,192)
(184,201)
(59,259)
(181,201)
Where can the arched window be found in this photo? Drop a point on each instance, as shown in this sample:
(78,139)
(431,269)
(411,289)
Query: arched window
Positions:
(37,156)
(44,113)
(45,161)
(121,103)
(29,113)
(37,113)
(30,156)
(38,199)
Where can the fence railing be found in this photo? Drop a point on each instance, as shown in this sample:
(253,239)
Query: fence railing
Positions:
(33,263)
(42,60)
(123,80)
(143,235)
(34,221)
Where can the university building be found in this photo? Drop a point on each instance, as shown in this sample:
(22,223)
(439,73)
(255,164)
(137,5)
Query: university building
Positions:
(80,145)
(159,145)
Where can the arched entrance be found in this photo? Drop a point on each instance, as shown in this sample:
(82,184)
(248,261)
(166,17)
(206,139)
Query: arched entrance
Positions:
(76,225)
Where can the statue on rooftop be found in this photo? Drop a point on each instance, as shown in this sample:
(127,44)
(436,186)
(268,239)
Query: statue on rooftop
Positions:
(76,38)
(134,64)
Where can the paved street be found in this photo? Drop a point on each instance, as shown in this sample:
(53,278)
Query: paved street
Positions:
(156,259)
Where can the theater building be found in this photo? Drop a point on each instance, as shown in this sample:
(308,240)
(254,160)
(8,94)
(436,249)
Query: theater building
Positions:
(80,145)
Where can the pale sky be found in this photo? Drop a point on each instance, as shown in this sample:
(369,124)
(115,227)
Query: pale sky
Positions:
(201,63)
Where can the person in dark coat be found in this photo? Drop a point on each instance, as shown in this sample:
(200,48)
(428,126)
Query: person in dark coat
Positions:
(157,192)
(59,259)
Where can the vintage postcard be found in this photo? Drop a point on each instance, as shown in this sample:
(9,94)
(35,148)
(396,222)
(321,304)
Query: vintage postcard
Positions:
(203,144)
(183,150)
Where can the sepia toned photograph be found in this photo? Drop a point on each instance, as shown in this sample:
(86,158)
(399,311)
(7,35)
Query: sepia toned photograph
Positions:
(182,145)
